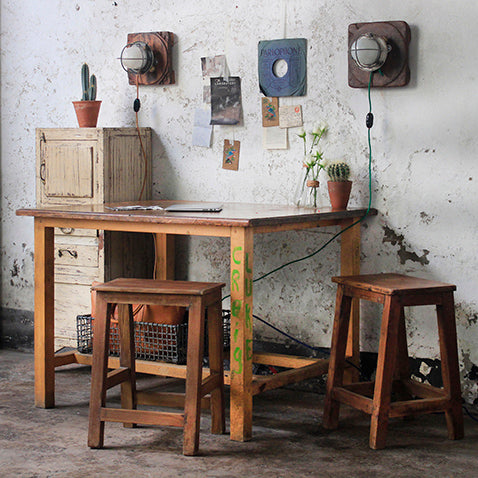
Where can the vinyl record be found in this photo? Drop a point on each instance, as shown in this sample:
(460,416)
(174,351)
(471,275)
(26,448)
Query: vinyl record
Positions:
(294,52)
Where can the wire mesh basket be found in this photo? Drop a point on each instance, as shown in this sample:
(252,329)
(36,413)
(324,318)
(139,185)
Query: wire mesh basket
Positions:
(153,342)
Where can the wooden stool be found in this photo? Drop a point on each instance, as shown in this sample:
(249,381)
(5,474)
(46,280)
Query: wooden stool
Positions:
(198,296)
(395,292)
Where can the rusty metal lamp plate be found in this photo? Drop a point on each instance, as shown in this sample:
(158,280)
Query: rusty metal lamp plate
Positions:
(395,71)
(161,73)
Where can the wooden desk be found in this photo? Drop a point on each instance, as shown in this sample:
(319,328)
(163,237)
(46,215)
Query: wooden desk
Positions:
(239,222)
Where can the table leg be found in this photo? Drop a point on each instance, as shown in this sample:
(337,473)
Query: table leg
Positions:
(44,328)
(241,334)
(164,256)
(350,265)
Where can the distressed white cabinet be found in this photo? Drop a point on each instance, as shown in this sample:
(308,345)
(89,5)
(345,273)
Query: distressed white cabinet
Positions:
(92,166)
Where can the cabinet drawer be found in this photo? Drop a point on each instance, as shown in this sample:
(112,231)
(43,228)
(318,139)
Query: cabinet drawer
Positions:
(61,232)
(76,255)
(66,274)
(70,300)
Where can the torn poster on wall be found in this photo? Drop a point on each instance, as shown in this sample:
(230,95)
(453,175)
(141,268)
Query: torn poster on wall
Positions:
(294,80)
(226,106)
(212,67)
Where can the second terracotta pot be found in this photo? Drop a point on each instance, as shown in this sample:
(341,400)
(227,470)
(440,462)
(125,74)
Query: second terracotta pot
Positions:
(339,193)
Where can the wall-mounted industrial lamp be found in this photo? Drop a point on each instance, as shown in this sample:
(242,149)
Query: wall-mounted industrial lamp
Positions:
(379,46)
(147,58)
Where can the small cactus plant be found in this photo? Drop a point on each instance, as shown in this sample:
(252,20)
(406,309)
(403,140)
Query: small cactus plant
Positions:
(338,171)
(88,84)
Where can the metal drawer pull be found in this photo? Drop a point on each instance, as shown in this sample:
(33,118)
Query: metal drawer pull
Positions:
(61,252)
(66,230)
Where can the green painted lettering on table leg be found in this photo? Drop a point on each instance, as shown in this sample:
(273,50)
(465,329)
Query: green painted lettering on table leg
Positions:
(236,307)
(235,276)
(236,249)
(248,317)
(237,358)
(248,269)
(249,349)
(248,287)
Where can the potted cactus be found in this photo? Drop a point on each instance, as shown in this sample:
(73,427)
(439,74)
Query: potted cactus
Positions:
(339,185)
(88,108)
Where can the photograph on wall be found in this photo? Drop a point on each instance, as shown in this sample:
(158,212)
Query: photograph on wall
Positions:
(226,106)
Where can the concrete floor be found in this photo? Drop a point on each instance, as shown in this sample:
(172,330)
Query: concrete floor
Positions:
(288,440)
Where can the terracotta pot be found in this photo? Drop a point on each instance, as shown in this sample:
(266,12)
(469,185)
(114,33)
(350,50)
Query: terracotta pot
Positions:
(87,113)
(339,193)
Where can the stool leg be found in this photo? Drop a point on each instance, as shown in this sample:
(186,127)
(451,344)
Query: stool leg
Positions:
(337,357)
(192,406)
(99,369)
(385,369)
(216,365)
(449,364)
(402,370)
(127,357)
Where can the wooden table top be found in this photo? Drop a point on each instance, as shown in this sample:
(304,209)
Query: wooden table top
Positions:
(232,214)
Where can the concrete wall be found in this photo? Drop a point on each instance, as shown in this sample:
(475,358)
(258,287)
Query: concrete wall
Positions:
(425,171)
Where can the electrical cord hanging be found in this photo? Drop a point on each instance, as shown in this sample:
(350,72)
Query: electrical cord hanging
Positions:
(136,107)
(369,124)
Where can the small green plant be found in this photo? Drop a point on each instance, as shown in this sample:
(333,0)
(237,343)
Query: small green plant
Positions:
(88,84)
(338,171)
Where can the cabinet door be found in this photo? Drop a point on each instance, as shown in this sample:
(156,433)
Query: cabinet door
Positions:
(67,172)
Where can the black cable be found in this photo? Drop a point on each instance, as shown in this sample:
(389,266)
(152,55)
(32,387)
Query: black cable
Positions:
(369,124)
(316,349)
(475,419)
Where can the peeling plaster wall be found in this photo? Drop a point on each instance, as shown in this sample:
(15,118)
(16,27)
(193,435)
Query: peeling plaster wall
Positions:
(425,171)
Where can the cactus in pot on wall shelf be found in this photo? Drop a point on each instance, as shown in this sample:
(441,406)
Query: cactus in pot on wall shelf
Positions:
(339,185)
(88,108)
(338,171)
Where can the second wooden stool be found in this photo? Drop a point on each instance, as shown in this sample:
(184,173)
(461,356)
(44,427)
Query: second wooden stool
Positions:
(198,296)
(395,292)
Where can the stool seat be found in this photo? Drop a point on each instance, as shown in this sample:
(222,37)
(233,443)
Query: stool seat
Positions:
(158,287)
(394,291)
(392,284)
(123,293)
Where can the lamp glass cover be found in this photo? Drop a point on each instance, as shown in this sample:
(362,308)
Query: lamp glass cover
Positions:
(135,57)
(369,51)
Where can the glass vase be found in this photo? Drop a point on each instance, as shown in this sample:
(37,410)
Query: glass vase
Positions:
(307,192)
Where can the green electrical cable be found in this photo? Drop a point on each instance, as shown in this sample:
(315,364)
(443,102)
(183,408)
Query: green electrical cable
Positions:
(348,227)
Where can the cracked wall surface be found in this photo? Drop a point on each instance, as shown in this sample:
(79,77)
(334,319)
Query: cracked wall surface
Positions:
(424,143)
